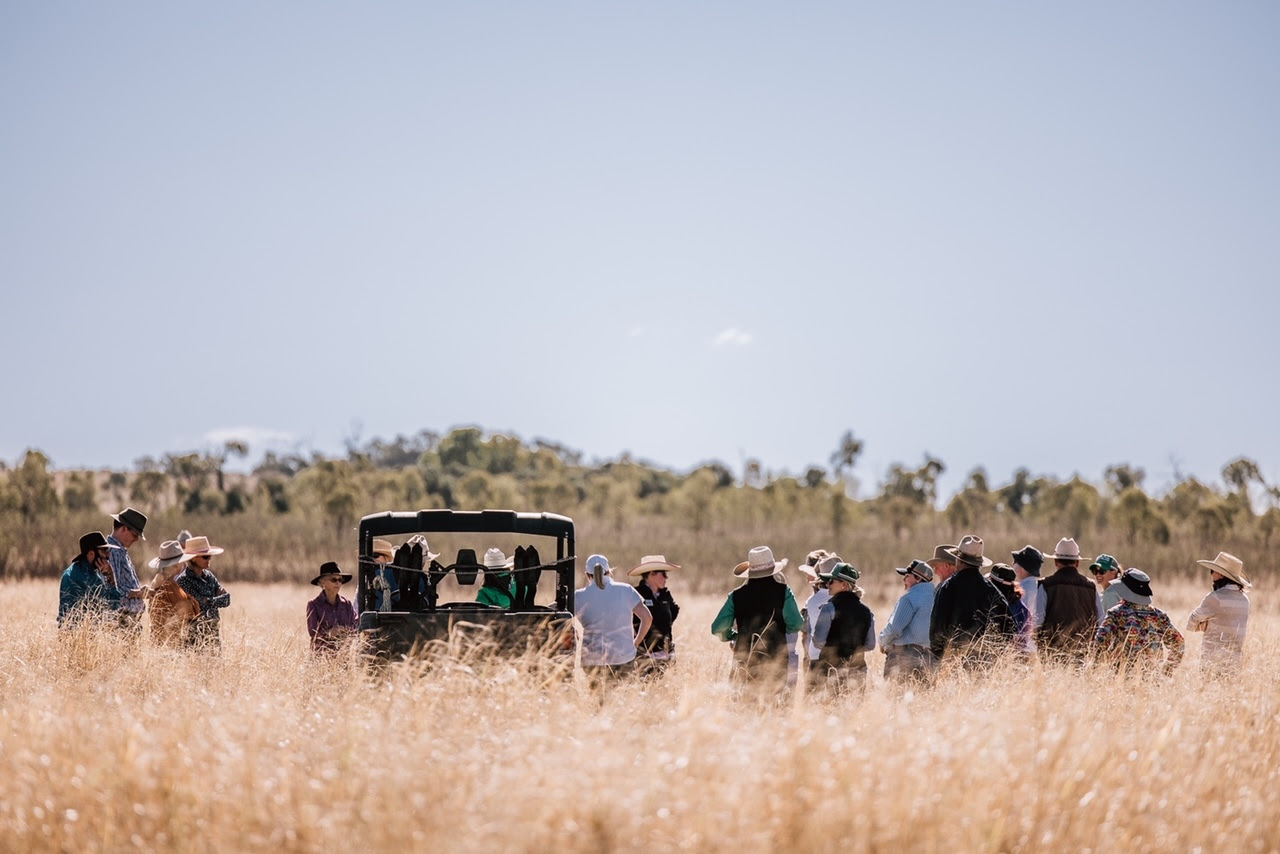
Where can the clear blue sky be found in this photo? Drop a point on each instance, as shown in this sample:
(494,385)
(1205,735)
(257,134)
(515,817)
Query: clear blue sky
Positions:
(1042,235)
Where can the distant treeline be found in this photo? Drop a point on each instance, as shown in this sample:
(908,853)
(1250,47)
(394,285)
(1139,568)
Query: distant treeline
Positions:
(295,510)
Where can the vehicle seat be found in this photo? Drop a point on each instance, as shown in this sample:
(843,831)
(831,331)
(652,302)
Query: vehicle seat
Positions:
(466,567)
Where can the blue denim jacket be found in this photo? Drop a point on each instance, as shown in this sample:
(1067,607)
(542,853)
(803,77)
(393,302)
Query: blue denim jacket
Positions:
(909,623)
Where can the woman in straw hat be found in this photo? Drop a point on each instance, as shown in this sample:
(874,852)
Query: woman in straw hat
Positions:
(203,586)
(331,617)
(657,646)
(1223,615)
(605,607)
(1135,633)
(761,620)
(172,609)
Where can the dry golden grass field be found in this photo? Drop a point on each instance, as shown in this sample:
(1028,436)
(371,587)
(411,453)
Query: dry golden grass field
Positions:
(110,748)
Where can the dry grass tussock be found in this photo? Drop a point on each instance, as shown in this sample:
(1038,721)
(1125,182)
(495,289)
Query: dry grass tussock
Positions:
(108,748)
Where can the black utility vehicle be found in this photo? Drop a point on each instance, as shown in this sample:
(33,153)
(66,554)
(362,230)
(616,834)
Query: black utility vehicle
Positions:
(419,616)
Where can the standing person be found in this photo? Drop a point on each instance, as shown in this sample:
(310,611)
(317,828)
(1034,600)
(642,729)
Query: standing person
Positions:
(496,590)
(943,562)
(658,645)
(172,608)
(331,617)
(1005,578)
(905,639)
(87,587)
(1106,574)
(970,619)
(127,530)
(844,633)
(1026,566)
(1223,615)
(761,621)
(1069,608)
(1135,633)
(202,585)
(823,563)
(605,607)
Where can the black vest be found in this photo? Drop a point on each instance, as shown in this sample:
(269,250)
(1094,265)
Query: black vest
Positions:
(848,634)
(757,608)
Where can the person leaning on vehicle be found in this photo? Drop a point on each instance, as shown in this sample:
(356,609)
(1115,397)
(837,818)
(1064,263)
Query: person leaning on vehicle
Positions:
(87,586)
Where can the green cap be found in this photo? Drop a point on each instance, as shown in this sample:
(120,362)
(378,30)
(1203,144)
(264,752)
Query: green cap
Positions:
(1106,563)
(842,572)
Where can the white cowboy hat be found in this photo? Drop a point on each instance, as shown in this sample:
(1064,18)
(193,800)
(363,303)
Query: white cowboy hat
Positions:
(1230,566)
(383,547)
(495,559)
(968,552)
(759,564)
(199,546)
(1067,549)
(171,554)
(652,563)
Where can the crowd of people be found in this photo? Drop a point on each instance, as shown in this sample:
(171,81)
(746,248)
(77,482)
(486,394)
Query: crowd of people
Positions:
(185,597)
(961,609)
(958,608)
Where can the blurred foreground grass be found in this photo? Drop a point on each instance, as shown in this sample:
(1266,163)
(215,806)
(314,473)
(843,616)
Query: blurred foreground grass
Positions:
(107,748)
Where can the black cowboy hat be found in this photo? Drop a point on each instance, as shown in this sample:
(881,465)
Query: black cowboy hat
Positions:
(132,518)
(94,540)
(330,568)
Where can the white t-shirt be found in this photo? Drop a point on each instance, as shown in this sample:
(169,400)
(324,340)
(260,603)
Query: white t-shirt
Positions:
(607,636)
(812,608)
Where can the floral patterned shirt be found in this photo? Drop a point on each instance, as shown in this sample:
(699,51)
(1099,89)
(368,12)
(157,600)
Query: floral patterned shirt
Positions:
(1139,634)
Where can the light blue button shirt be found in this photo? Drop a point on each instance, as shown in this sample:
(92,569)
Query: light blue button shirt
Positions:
(909,622)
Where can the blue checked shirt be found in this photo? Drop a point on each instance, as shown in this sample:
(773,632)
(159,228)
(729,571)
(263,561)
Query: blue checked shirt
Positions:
(126,577)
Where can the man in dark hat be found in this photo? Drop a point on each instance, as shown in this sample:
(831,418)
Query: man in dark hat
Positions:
(87,586)
(126,531)
(970,619)
(943,562)
(331,617)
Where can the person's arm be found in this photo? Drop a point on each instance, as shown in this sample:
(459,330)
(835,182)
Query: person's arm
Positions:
(1105,638)
(1041,599)
(823,627)
(313,619)
(791,613)
(1199,619)
(722,625)
(869,643)
(939,627)
(70,594)
(642,611)
(1102,614)
(901,617)
(220,599)
(675,609)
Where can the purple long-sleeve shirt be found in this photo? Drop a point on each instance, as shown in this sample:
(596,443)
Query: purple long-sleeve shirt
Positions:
(327,622)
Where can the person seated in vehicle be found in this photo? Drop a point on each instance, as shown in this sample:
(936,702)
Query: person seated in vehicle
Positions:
(496,590)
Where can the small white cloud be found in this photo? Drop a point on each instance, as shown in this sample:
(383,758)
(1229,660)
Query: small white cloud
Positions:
(733,338)
(256,437)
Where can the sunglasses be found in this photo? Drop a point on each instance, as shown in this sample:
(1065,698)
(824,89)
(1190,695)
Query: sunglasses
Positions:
(1097,571)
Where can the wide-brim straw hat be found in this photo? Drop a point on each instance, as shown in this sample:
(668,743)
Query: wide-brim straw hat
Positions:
(199,547)
(171,554)
(652,563)
(759,564)
(1229,565)
(330,568)
(384,548)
